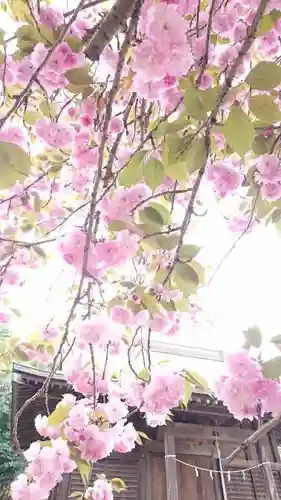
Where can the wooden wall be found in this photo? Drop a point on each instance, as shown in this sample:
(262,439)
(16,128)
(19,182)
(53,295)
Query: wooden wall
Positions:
(150,476)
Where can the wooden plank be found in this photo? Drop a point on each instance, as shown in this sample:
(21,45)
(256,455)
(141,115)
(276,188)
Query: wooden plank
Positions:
(188,482)
(146,477)
(171,464)
(63,488)
(206,483)
(158,478)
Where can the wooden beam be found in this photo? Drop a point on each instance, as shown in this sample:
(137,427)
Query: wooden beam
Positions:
(171,464)
(199,433)
(186,351)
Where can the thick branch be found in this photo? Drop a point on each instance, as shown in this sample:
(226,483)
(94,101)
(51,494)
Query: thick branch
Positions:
(253,438)
(108,27)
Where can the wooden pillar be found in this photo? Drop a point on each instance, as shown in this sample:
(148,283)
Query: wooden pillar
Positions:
(171,464)
(270,481)
(63,488)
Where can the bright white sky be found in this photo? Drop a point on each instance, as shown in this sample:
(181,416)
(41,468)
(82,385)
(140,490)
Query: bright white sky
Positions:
(244,292)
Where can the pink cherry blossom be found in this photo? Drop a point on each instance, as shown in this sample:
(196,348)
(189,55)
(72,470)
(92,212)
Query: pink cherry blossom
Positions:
(269,170)
(54,134)
(127,439)
(225,179)
(115,410)
(101,490)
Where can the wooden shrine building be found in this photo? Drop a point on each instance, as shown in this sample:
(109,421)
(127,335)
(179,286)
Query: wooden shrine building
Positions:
(178,460)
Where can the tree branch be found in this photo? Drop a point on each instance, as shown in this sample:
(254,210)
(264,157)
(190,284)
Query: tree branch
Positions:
(108,27)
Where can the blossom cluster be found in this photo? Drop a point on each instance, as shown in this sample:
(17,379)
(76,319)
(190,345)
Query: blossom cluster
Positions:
(244,389)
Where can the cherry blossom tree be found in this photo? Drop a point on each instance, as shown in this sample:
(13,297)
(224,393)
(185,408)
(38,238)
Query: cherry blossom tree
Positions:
(116,119)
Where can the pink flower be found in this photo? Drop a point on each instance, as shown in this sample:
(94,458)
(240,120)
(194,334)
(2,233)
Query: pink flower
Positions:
(126,441)
(115,410)
(164,391)
(78,417)
(159,323)
(44,429)
(115,125)
(269,169)
(224,177)
(135,393)
(98,331)
(13,135)
(50,16)
(241,223)
(271,192)
(121,315)
(101,490)
(55,135)
(166,26)
(244,389)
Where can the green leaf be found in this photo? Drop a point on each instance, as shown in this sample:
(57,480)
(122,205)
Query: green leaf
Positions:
(30,117)
(209,98)
(182,305)
(197,380)
(272,368)
(79,76)
(162,210)
(261,144)
(239,131)
(176,171)
(149,214)
(187,392)
(153,172)
(189,252)
(118,484)
(19,354)
(265,108)
(85,470)
(268,22)
(143,435)
(144,374)
(48,109)
(167,242)
(193,103)
(37,249)
(79,89)
(76,494)
(150,302)
(253,336)
(186,278)
(45,34)
(133,171)
(276,341)
(15,165)
(75,43)
(116,225)
(195,156)
(2,33)
(59,414)
(265,75)
(171,127)
(20,10)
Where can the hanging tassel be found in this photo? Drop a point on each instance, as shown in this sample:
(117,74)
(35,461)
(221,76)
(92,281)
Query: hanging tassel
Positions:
(196,472)
(228,476)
